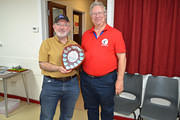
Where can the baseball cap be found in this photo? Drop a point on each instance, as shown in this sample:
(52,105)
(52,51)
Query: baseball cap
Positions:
(61,17)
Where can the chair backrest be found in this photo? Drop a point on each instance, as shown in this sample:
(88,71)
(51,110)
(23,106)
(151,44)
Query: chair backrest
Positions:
(179,111)
(162,87)
(133,84)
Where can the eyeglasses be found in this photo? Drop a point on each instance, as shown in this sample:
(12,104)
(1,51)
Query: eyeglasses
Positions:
(62,25)
(98,13)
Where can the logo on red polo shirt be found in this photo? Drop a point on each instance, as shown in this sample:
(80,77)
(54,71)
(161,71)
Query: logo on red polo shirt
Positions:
(104,42)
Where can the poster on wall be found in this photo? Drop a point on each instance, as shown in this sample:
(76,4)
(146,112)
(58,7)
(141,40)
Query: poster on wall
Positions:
(76,24)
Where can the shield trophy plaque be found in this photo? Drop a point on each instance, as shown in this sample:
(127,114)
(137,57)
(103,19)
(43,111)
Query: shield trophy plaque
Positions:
(72,57)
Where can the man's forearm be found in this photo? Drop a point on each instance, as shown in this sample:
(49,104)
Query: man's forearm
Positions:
(48,67)
(121,65)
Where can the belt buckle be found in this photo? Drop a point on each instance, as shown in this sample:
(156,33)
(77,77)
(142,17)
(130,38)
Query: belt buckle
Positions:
(73,76)
(68,78)
(65,79)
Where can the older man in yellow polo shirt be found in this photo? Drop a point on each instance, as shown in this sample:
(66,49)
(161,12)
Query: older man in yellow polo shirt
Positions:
(58,83)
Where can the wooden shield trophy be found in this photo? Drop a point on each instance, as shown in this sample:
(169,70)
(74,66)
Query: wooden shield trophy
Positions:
(72,57)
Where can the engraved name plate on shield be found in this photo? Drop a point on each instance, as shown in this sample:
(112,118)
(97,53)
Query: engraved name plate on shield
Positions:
(72,57)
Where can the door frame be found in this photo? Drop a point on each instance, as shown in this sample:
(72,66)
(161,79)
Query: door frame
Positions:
(50,15)
(83,20)
(80,26)
(44,29)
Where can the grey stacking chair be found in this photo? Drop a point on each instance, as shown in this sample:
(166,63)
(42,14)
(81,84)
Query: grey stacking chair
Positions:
(179,111)
(160,88)
(132,85)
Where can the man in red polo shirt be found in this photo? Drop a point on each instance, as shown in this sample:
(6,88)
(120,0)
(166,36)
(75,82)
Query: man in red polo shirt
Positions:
(104,65)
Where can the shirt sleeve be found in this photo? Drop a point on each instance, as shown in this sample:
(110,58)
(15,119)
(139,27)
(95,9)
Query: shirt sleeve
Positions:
(119,44)
(43,52)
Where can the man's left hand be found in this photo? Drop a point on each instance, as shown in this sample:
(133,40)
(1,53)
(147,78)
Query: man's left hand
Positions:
(119,87)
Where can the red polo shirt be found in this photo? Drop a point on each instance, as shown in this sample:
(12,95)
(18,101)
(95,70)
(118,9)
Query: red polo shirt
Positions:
(100,53)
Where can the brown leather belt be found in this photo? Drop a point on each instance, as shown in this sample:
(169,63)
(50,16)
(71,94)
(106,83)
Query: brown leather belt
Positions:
(64,79)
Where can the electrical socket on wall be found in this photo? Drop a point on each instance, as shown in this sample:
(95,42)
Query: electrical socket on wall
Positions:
(35,29)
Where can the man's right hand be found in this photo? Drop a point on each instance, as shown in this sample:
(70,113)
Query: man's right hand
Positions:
(63,70)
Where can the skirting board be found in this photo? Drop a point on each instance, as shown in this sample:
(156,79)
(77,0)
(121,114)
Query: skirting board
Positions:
(21,98)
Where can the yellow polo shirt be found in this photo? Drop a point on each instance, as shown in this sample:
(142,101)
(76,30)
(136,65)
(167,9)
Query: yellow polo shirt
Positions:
(51,51)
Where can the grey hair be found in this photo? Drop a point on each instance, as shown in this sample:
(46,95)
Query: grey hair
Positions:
(97,3)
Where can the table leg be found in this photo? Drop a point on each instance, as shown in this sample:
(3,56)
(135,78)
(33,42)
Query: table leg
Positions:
(25,87)
(5,96)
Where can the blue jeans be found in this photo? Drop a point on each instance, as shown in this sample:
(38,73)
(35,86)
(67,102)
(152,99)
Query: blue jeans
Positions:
(99,91)
(55,90)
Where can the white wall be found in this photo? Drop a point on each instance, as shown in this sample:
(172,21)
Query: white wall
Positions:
(20,45)
(110,12)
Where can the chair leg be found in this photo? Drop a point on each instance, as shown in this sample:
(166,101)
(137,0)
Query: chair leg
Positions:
(134,115)
(139,116)
(178,115)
